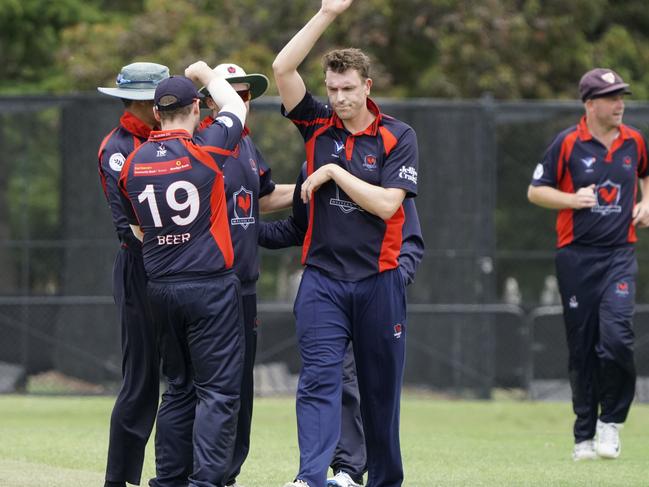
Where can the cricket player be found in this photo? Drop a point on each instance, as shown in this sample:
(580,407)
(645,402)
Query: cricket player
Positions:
(350,459)
(249,189)
(174,185)
(361,164)
(137,401)
(590,174)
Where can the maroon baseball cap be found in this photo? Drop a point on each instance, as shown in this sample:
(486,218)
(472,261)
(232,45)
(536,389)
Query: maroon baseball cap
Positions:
(600,82)
(175,92)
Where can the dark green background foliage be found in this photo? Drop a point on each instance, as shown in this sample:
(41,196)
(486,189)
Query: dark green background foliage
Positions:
(420,48)
(508,49)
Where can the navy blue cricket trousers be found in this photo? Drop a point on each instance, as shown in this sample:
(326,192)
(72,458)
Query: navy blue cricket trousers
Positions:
(202,348)
(350,455)
(135,409)
(244,421)
(597,288)
(329,313)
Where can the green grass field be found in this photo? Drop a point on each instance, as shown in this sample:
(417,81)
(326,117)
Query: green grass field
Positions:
(62,441)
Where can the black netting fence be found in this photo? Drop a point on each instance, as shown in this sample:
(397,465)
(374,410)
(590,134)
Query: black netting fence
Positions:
(474,322)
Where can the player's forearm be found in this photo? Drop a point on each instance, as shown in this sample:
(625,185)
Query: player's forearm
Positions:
(137,231)
(279,199)
(644,188)
(220,90)
(551,198)
(279,234)
(382,202)
(297,49)
(227,98)
(289,83)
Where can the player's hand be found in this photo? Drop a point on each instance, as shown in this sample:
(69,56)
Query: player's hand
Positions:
(585,198)
(198,72)
(335,6)
(641,214)
(313,182)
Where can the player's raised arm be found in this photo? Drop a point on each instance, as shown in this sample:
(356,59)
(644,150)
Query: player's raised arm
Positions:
(220,90)
(289,82)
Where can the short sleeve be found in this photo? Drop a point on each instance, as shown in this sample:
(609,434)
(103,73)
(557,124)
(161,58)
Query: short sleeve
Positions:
(401,164)
(545,172)
(223,134)
(308,115)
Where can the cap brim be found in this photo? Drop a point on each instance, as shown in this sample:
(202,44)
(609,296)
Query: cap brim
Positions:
(609,90)
(258,84)
(128,94)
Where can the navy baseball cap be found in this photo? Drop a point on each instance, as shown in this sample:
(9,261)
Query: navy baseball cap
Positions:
(601,82)
(175,92)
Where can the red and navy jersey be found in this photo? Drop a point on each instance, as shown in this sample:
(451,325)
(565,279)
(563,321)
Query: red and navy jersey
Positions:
(176,193)
(279,234)
(247,178)
(113,151)
(343,240)
(576,159)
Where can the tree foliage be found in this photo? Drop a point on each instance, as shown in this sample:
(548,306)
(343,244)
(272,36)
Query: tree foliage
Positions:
(421,48)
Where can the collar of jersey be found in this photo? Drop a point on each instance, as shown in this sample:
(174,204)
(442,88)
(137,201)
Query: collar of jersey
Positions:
(373,128)
(584,133)
(169,134)
(134,125)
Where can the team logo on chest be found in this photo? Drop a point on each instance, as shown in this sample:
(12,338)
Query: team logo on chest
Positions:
(242,208)
(608,198)
(338,147)
(589,162)
(369,162)
(627,162)
(162,151)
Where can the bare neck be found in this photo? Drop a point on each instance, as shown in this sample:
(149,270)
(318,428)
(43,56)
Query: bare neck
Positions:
(360,122)
(178,123)
(606,134)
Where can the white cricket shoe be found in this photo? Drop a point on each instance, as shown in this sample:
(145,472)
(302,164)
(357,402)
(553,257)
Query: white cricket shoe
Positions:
(297,483)
(608,440)
(342,479)
(584,450)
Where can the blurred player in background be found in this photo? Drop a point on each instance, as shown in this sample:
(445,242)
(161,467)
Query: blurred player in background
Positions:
(350,459)
(137,402)
(590,174)
(174,185)
(360,167)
